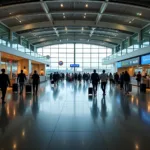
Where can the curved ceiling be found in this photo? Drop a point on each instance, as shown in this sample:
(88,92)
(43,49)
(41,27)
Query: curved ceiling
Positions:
(105,22)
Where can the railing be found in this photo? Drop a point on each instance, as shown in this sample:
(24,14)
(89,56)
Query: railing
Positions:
(23,49)
(128,50)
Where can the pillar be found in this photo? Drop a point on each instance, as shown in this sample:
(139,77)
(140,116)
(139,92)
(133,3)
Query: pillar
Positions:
(74,56)
(0,61)
(114,68)
(11,38)
(140,38)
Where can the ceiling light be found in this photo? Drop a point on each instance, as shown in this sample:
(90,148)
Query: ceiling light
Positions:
(20,21)
(85,14)
(10,13)
(61,5)
(139,14)
(64,17)
(130,21)
(63,14)
(84,17)
(86,5)
(82,28)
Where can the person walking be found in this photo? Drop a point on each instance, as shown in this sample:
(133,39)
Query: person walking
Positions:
(4,82)
(121,80)
(103,78)
(116,78)
(138,78)
(126,82)
(21,79)
(35,78)
(95,80)
(110,78)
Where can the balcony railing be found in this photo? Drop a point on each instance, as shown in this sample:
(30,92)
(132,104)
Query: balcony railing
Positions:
(23,49)
(128,50)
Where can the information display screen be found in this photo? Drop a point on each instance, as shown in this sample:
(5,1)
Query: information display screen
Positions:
(145,59)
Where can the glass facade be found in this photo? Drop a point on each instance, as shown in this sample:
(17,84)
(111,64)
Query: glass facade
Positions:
(88,57)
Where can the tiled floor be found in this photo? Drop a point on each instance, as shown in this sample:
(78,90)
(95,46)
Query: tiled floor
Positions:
(65,118)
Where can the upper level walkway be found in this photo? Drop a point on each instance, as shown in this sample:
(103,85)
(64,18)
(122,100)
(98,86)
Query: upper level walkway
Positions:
(65,118)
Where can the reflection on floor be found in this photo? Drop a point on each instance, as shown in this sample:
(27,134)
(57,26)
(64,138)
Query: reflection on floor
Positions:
(66,118)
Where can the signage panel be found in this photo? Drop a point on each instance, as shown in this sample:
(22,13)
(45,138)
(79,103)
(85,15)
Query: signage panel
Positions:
(131,62)
(74,65)
(118,65)
(145,59)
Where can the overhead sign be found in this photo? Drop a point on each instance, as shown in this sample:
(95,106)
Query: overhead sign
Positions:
(74,65)
(129,62)
(145,59)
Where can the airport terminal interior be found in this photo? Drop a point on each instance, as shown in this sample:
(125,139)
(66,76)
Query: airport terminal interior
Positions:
(64,41)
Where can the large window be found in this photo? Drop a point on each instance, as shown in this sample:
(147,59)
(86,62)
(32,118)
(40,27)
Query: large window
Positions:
(88,57)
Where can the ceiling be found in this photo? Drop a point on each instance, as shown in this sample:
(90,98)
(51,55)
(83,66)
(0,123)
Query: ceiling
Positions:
(105,22)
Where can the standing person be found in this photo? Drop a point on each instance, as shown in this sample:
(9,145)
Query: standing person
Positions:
(116,78)
(35,78)
(4,82)
(110,78)
(121,80)
(95,79)
(79,77)
(138,78)
(126,82)
(103,78)
(21,79)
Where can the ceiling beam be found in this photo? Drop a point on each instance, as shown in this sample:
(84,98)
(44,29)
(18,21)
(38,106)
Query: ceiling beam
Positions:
(101,11)
(49,16)
(106,39)
(73,41)
(77,23)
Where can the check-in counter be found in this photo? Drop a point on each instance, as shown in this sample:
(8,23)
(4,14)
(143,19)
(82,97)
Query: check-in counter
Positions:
(144,80)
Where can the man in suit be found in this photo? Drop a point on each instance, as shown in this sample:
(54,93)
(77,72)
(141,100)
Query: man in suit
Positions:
(4,82)
(21,79)
(35,78)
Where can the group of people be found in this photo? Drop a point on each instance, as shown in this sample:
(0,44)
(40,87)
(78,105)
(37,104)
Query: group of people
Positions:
(123,79)
(21,79)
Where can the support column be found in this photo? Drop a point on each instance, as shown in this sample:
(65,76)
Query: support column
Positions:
(0,61)
(74,56)
(140,39)
(129,41)
(11,38)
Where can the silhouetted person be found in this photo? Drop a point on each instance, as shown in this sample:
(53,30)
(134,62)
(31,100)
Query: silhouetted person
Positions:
(95,80)
(116,78)
(36,79)
(79,77)
(103,78)
(21,79)
(138,78)
(126,82)
(121,80)
(4,82)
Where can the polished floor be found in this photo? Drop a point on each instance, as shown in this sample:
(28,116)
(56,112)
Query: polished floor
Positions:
(65,118)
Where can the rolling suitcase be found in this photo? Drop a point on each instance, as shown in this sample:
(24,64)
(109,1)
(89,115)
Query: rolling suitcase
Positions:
(28,88)
(143,87)
(15,87)
(90,91)
(130,87)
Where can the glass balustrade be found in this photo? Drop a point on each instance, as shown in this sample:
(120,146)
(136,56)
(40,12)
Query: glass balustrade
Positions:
(22,49)
(128,50)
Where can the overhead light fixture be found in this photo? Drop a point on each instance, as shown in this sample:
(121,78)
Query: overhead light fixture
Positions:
(130,22)
(85,14)
(63,14)
(10,13)
(139,14)
(66,29)
(82,28)
(64,17)
(20,21)
(84,17)
(86,5)
(61,5)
